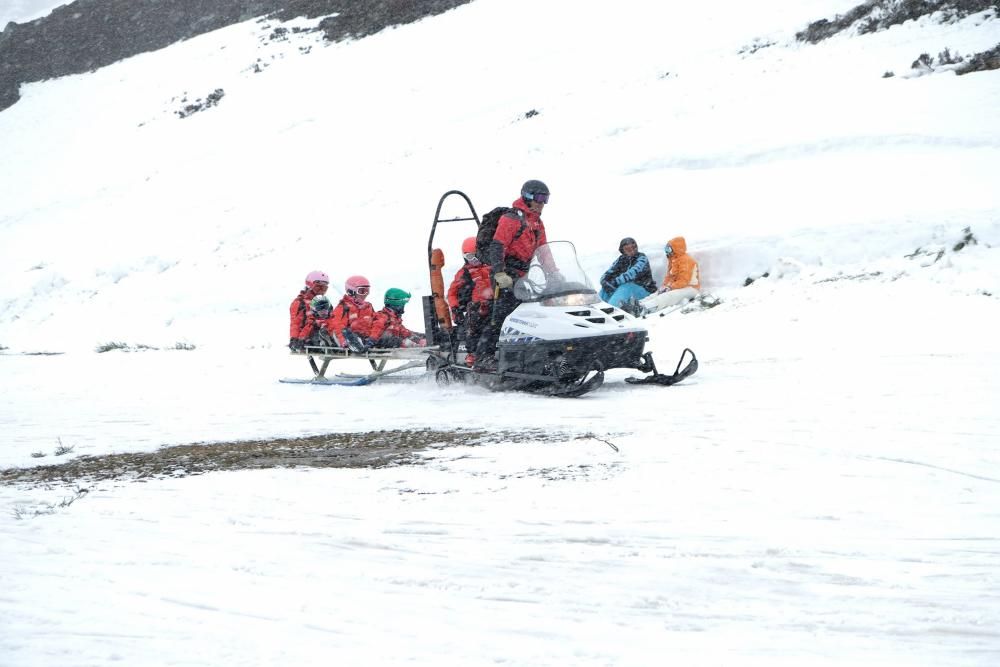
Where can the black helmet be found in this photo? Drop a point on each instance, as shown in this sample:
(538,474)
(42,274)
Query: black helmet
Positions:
(531,190)
(628,240)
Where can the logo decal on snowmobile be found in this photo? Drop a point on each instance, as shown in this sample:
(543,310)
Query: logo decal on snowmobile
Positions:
(523,322)
(512,335)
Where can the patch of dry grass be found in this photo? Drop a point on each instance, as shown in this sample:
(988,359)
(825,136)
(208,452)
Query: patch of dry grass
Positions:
(373,449)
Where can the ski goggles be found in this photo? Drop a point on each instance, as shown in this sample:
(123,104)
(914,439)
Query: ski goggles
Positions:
(360,291)
(471,257)
(540,197)
(668,250)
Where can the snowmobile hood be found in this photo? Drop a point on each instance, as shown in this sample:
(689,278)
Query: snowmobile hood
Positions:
(536,322)
(679,245)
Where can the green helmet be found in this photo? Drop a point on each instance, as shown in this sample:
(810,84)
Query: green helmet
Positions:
(396,298)
(321,306)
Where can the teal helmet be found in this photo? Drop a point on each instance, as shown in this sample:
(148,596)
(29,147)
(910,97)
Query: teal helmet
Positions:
(396,298)
(321,306)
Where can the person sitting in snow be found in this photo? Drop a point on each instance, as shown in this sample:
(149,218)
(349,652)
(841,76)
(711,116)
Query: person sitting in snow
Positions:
(470,297)
(351,322)
(387,328)
(316,331)
(629,279)
(317,283)
(681,282)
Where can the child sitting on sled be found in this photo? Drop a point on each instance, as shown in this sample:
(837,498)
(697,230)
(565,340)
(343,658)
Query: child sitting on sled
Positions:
(352,318)
(316,333)
(387,327)
(471,295)
(316,285)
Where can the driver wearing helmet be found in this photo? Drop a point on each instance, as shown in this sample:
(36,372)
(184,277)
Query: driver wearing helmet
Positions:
(352,318)
(519,234)
(317,283)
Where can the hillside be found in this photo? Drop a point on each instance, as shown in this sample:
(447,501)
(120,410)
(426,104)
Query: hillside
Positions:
(85,35)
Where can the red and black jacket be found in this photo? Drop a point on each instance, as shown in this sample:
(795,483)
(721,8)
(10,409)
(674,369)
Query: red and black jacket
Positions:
(299,313)
(348,314)
(470,285)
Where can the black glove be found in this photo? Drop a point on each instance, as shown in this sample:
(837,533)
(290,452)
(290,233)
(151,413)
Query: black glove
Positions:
(296,344)
(353,340)
(608,287)
(326,339)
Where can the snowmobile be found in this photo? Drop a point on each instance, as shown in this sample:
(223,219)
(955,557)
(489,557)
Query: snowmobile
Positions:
(559,340)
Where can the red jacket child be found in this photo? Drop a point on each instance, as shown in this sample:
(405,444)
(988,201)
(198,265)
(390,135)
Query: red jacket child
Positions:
(316,285)
(353,312)
(471,285)
(316,332)
(388,329)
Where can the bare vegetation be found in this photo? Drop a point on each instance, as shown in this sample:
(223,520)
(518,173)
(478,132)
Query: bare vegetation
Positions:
(138,347)
(50,508)
(375,449)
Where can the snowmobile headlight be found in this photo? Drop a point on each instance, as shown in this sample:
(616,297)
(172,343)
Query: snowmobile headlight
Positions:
(579,299)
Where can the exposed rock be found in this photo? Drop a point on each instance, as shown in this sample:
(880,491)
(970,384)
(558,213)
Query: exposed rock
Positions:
(981,62)
(876,15)
(210,100)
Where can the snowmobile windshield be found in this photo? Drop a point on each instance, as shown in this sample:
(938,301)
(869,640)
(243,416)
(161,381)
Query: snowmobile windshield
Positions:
(555,278)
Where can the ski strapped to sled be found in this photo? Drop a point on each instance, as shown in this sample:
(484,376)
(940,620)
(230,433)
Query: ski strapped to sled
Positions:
(666,380)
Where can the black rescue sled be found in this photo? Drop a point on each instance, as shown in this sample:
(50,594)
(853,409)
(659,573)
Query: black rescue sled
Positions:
(559,340)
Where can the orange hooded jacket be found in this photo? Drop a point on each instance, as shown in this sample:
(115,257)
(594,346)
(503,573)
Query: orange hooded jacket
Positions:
(682,270)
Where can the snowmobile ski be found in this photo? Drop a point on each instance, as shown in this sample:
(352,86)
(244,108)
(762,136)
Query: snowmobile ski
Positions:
(666,380)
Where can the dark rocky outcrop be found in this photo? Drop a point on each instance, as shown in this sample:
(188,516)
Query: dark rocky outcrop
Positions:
(876,15)
(981,62)
(88,34)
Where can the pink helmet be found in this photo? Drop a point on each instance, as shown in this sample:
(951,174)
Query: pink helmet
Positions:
(358,287)
(316,276)
(469,245)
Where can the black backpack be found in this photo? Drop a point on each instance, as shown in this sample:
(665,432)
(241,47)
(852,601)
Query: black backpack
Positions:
(488,227)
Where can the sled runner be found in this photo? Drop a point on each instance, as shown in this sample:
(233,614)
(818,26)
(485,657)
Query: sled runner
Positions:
(320,357)
(559,340)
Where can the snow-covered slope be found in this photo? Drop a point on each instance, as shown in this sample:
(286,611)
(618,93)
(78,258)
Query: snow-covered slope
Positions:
(822,492)
(333,157)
